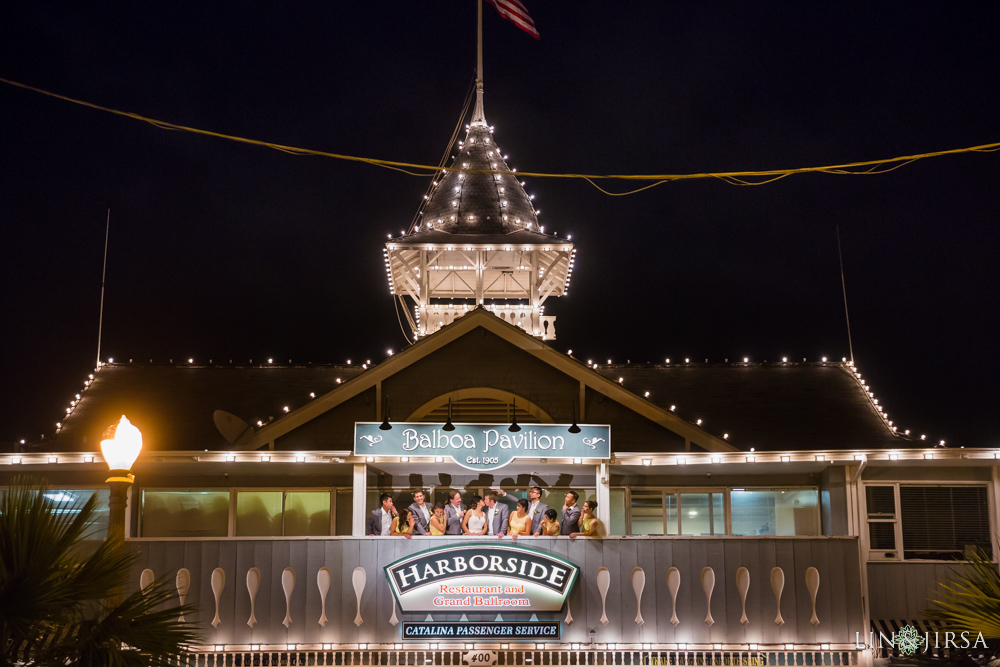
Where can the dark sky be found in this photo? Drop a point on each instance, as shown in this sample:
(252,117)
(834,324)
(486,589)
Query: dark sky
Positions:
(227,251)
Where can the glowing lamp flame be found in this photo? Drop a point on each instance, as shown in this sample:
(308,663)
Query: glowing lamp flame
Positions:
(121,445)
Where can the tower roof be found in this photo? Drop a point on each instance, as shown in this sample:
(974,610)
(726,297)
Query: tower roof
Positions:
(490,204)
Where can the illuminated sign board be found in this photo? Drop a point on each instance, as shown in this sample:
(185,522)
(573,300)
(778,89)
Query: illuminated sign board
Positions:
(500,630)
(483,446)
(481,577)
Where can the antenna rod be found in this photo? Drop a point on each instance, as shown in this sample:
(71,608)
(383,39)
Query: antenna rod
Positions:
(843,287)
(479,51)
(104,271)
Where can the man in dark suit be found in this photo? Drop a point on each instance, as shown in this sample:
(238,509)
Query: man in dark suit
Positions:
(536,508)
(570,519)
(497,516)
(422,513)
(454,512)
(380,521)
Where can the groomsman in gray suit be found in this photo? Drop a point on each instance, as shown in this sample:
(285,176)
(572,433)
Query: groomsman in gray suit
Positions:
(497,516)
(422,512)
(570,520)
(536,508)
(454,512)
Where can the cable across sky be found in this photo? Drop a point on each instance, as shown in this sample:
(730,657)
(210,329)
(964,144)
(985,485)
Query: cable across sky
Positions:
(742,178)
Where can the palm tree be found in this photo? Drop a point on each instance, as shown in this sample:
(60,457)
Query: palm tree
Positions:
(55,587)
(970,602)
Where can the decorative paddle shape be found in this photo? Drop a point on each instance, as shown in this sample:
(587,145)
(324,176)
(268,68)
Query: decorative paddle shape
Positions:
(638,583)
(603,584)
(218,583)
(253,584)
(778,585)
(323,583)
(288,585)
(393,621)
(743,585)
(708,585)
(146,578)
(359,579)
(812,584)
(183,582)
(569,613)
(673,583)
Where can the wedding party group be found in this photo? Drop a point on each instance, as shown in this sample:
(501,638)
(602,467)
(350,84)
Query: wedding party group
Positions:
(485,517)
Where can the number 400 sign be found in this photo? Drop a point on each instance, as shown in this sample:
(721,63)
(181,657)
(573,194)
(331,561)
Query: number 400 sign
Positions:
(479,658)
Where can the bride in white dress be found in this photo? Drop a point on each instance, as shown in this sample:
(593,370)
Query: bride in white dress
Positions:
(474,522)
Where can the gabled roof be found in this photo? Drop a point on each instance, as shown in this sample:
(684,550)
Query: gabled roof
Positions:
(770,406)
(766,406)
(481,318)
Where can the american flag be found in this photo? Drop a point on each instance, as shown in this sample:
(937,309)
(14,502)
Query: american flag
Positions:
(515,12)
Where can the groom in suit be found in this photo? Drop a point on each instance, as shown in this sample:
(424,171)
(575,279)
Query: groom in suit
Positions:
(497,516)
(422,513)
(454,512)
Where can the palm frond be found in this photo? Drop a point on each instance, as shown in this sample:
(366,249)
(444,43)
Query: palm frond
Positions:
(971,601)
(53,592)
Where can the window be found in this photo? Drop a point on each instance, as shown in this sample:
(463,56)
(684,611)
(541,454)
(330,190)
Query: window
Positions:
(944,522)
(617,508)
(778,512)
(345,511)
(69,501)
(185,513)
(659,512)
(647,513)
(913,522)
(701,514)
(277,513)
(881,502)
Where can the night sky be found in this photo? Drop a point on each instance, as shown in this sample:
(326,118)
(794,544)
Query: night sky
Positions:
(226,251)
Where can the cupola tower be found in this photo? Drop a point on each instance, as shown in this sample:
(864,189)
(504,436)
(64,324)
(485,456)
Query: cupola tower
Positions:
(478,242)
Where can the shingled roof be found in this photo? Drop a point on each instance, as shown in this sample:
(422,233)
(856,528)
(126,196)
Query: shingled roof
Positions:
(769,406)
(173,405)
(780,406)
(487,201)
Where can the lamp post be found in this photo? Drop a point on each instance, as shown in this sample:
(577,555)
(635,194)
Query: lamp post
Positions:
(121,446)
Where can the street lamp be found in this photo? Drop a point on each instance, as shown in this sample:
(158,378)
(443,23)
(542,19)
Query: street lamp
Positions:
(121,446)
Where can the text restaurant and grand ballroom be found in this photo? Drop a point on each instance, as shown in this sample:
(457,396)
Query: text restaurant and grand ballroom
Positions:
(735,513)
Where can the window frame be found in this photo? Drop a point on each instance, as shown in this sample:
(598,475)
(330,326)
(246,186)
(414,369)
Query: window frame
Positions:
(817,510)
(726,508)
(677,491)
(900,550)
(233,490)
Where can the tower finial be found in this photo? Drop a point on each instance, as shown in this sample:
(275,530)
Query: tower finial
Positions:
(478,116)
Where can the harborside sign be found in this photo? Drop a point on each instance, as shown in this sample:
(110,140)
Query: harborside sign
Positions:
(481,577)
(483,446)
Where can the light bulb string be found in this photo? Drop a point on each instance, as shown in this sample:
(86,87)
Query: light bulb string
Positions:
(732,177)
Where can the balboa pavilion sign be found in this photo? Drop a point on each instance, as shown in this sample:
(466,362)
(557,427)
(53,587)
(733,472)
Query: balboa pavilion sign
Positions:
(483,446)
(481,577)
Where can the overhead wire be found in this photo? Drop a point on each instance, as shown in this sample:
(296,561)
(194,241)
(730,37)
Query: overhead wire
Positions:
(415,169)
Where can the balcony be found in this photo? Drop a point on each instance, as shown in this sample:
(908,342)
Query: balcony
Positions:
(638,602)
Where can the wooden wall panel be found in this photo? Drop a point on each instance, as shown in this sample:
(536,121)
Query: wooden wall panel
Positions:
(838,602)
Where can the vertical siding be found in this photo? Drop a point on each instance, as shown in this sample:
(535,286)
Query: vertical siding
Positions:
(905,590)
(838,603)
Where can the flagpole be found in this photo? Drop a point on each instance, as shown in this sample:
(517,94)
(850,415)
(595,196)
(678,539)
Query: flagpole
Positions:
(478,115)
(479,50)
